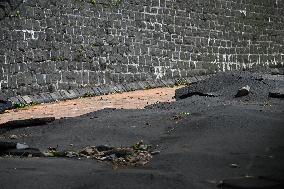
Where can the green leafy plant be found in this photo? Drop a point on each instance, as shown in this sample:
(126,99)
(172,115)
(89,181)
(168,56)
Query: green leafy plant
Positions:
(185,113)
(148,87)
(93,2)
(24,105)
(17,14)
(181,82)
(86,95)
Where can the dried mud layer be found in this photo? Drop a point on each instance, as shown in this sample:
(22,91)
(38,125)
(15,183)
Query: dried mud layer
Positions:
(205,141)
(72,108)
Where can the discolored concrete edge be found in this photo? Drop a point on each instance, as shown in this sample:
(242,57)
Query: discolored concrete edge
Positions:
(102,90)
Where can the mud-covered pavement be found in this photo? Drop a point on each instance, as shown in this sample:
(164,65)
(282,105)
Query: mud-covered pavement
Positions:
(202,140)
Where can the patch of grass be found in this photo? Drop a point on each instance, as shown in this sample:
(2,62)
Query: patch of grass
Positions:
(17,14)
(181,82)
(185,113)
(180,116)
(93,2)
(267,104)
(24,105)
(148,87)
(86,95)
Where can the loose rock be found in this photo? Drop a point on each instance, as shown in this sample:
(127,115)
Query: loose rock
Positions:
(277,93)
(243,91)
(13,137)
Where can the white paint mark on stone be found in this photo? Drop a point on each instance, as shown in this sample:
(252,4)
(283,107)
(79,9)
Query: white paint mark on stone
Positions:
(229,66)
(229,57)
(159,72)
(243,11)
(224,58)
(32,32)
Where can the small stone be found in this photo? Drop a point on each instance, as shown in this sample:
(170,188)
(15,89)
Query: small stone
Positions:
(277,93)
(275,71)
(234,165)
(13,137)
(155,152)
(243,91)
(20,146)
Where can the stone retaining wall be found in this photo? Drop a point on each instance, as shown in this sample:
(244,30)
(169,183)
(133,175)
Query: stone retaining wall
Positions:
(53,45)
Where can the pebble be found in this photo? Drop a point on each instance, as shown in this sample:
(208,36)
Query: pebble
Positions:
(13,137)
(243,91)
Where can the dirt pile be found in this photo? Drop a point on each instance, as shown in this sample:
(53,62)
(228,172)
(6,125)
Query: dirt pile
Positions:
(226,86)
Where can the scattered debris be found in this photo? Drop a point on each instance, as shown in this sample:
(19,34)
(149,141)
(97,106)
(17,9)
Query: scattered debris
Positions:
(55,153)
(180,115)
(53,148)
(243,91)
(13,137)
(170,129)
(234,165)
(136,155)
(267,104)
(277,93)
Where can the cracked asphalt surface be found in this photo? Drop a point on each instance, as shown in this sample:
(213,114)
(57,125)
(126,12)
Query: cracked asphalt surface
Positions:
(199,137)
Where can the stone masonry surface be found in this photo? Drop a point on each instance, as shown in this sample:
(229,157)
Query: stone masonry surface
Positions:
(63,45)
